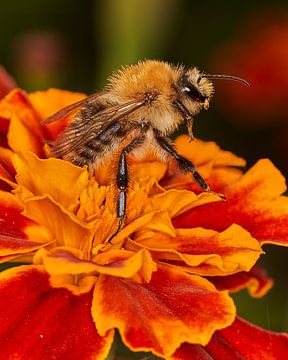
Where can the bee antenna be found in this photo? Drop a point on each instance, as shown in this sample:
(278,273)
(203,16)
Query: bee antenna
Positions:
(226,77)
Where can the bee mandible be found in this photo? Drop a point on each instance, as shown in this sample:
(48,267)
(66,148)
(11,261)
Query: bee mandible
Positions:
(140,107)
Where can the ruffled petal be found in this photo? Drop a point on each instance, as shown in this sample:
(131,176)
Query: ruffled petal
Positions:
(254,202)
(120,263)
(60,179)
(64,226)
(206,252)
(240,341)
(19,235)
(218,167)
(149,169)
(146,313)
(203,152)
(257,282)
(176,202)
(34,318)
(157,220)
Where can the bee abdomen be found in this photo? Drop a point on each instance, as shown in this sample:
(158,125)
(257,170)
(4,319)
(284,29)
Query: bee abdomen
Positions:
(95,146)
(87,153)
(94,149)
(79,161)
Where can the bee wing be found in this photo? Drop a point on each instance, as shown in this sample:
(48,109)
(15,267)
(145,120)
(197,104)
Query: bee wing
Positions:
(71,109)
(79,132)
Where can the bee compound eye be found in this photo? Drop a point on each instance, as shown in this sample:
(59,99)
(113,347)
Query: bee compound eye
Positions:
(193,93)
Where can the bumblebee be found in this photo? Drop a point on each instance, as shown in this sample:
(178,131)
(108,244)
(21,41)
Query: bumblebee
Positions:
(140,107)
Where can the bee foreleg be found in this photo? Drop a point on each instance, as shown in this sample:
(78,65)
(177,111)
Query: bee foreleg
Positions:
(122,182)
(184,164)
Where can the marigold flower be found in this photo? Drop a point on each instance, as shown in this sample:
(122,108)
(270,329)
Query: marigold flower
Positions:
(163,283)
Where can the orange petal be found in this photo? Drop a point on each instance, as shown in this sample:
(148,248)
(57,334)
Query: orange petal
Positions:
(65,227)
(218,167)
(19,235)
(202,152)
(49,102)
(62,180)
(20,138)
(18,103)
(121,263)
(254,202)
(218,179)
(151,169)
(207,252)
(140,262)
(256,281)
(40,322)
(157,220)
(173,308)
(178,201)
(24,131)
(239,341)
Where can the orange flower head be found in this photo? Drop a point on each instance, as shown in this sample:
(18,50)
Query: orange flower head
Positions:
(163,281)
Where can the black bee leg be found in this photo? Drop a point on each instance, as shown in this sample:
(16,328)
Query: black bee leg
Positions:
(185,165)
(122,183)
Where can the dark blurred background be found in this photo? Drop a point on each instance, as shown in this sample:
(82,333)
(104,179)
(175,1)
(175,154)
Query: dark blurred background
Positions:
(75,45)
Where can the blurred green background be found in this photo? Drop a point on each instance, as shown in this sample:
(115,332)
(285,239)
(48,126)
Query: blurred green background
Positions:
(76,45)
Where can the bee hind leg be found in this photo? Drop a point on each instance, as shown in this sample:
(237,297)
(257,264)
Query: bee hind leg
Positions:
(122,183)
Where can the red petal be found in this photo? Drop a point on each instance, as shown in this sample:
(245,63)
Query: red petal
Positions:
(4,175)
(206,252)
(255,343)
(217,349)
(240,341)
(253,202)
(256,281)
(4,127)
(40,322)
(18,234)
(191,352)
(173,308)
(6,161)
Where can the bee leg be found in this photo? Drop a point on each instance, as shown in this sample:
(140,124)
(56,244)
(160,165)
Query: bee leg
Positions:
(185,165)
(122,183)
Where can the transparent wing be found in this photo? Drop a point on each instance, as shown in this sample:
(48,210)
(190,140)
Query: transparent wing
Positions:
(80,132)
(71,109)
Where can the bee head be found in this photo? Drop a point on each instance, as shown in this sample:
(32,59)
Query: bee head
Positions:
(195,89)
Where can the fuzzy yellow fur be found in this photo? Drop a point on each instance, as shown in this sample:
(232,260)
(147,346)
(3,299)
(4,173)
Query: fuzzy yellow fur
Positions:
(159,79)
